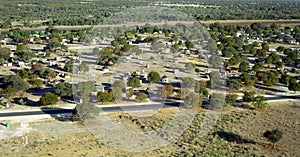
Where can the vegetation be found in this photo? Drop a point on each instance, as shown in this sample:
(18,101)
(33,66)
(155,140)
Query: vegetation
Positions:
(260,102)
(104,97)
(140,97)
(273,136)
(153,76)
(134,82)
(48,11)
(84,111)
(48,99)
(64,89)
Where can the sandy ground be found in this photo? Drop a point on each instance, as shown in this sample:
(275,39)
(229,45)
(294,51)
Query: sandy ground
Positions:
(58,138)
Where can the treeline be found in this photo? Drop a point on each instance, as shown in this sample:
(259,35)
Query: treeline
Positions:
(30,13)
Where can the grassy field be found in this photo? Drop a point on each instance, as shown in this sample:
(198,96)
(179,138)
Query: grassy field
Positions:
(238,132)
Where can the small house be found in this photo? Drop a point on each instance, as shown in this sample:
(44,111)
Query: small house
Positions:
(165,79)
(100,88)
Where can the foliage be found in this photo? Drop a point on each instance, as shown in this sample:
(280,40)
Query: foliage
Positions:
(215,79)
(129,93)
(64,89)
(231,98)
(104,97)
(244,66)
(260,102)
(9,92)
(117,93)
(23,73)
(140,97)
(134,82)
(4,54)
(215,61)
(84,67)
(36,83)
(153,76)
(84,111)
(216,101)
(69,66)
(193,100)
(48,99)
(84,89)
(294,86)
(234,84)
(15,82)
(188,82)
(37,68)
(249,96)
(273,136)
(166,90)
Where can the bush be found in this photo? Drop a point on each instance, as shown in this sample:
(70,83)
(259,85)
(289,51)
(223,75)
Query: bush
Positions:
(140,97)
(84,111)
(48,99)
(273,136)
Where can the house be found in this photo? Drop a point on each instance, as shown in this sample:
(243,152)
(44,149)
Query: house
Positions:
(5,102)
(105,69)
(100,88)
(175,71)
(165,79)
(21,64)
(207,71)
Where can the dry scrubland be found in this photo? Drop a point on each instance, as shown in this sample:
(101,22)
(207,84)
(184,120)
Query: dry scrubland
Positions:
(238,132)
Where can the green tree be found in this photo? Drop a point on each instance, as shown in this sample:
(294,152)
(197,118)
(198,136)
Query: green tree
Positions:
(117,93)
(36,83)
(215,61)
(37,68)
(4,54)
(188,82)
(260,102)
(119,84)
(273,136)
(15,82)
(229,51)
(84,89)
(153,76)
(96,51)
(85,111)
(166,90)
(231,98)
(83,67)
(23,73)
(64,89)
(104,97)
(134,82)
(129,93)
(193,100)
(216,101)
(69,66)
(294,86)
(9,92)
(249,96)
(140,97)
(48,99)
(215,79)
(244,66)
(189,45)
(234,84)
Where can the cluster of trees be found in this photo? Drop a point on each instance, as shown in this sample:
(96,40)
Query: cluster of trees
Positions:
(69,13)
(258,101)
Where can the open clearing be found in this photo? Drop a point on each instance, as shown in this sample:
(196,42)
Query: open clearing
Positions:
(237,133)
